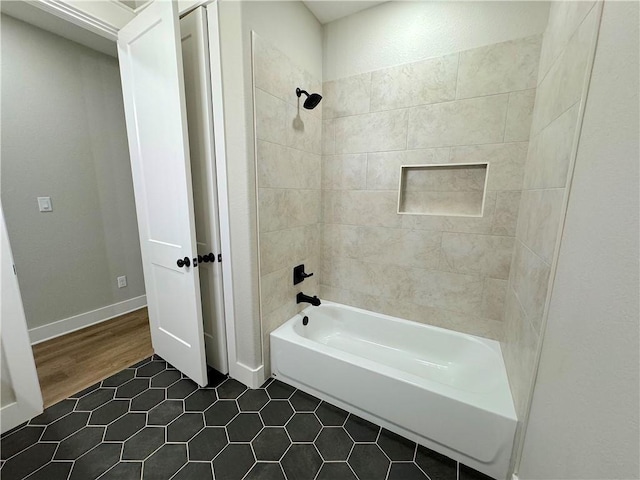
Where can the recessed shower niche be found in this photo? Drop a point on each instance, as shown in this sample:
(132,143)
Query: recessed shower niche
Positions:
(456,189)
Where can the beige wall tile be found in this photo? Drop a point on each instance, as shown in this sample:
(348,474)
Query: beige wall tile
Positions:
(383,168)
(499,68)
(453,178)
(344,172)
(485,255)
(283,167)
(347,96)
(288,248)
(530,281)
(449,291)
(519,115)
(362,207)
(463,122)
(493,295)
(506,162)
(550,152)
(286,208)
(409,85)
(373,132)
(271,115)
(539,221)
(303,130)
(455,224)
(505,217)
(328,137)
(462,204)
(564,18)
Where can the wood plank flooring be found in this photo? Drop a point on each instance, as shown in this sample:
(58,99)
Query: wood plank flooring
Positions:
(72,362)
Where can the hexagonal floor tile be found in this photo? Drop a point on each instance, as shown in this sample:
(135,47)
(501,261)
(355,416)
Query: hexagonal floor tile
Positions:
(279,390)
(95,399)
(330,415)
(83,392)
(435,464)
(336,471)
(147,400)
(193,471)
(52,470)
(220,413)
(181,389)
(253,400)
(165,412)
(301,462)
(406,471)
(79,443)
(164,463)
(369,462)
(28,461)
(361,430)
(234,462)
(53,413)
(303,402)
(165,379)
(207,444)
(19,440)
(264,471)
(125,427)
(468,473)
(271,443)
(200,400)
(395,446)
(276,413)
(184,427)
(65,426)
(244,427)
(150,369)
(132,388)
(96,462)
(230,389)
(119,378)
(143,443)
(124,471)
(333,443)
(109,412)
(303,427)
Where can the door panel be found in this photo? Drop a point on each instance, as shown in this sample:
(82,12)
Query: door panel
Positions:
(153,89)
(203,168)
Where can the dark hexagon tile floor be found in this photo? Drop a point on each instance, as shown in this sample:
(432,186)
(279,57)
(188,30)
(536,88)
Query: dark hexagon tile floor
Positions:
(150,422)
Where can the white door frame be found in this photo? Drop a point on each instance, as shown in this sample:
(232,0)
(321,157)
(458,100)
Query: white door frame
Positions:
(68,11)
(16,347)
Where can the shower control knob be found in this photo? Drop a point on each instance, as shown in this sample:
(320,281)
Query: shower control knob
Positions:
(184,262)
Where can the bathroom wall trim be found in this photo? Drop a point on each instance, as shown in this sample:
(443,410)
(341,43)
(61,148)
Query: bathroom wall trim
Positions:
(83,320)
(252,377)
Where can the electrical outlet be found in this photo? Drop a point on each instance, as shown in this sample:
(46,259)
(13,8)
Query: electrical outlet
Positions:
(122,281)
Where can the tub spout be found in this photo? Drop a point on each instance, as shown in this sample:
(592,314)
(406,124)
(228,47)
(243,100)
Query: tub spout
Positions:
(301,297)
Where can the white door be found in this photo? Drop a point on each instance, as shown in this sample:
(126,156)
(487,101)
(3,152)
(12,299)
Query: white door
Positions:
(197,78)
(20,394)
(153,88)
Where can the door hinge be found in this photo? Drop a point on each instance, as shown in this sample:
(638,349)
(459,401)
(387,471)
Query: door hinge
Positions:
(15,272)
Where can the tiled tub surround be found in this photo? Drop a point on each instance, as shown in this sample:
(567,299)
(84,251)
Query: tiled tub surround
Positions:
(469,107)
(288,174)
(420,375)
(148,422)
(567,50)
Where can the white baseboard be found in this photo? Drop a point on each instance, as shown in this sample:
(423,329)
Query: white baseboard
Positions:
(77,322)
(251,377)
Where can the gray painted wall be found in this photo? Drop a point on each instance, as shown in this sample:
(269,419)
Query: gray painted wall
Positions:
(64,136)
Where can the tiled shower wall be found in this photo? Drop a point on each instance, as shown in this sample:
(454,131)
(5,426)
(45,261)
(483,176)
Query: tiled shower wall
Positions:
(288,148)
(471,106)
(568,46)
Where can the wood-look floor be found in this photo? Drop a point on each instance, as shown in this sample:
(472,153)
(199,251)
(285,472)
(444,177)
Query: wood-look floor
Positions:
(72,362)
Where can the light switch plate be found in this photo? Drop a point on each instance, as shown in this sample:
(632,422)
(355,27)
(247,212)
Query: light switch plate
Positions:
(122,281)
(44,204)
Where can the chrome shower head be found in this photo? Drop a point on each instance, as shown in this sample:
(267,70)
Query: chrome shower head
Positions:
(312,100)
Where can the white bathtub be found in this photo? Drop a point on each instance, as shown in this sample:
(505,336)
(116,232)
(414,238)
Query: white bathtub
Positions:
(445,390)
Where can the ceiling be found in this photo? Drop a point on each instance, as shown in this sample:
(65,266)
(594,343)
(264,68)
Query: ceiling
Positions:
(329,10)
